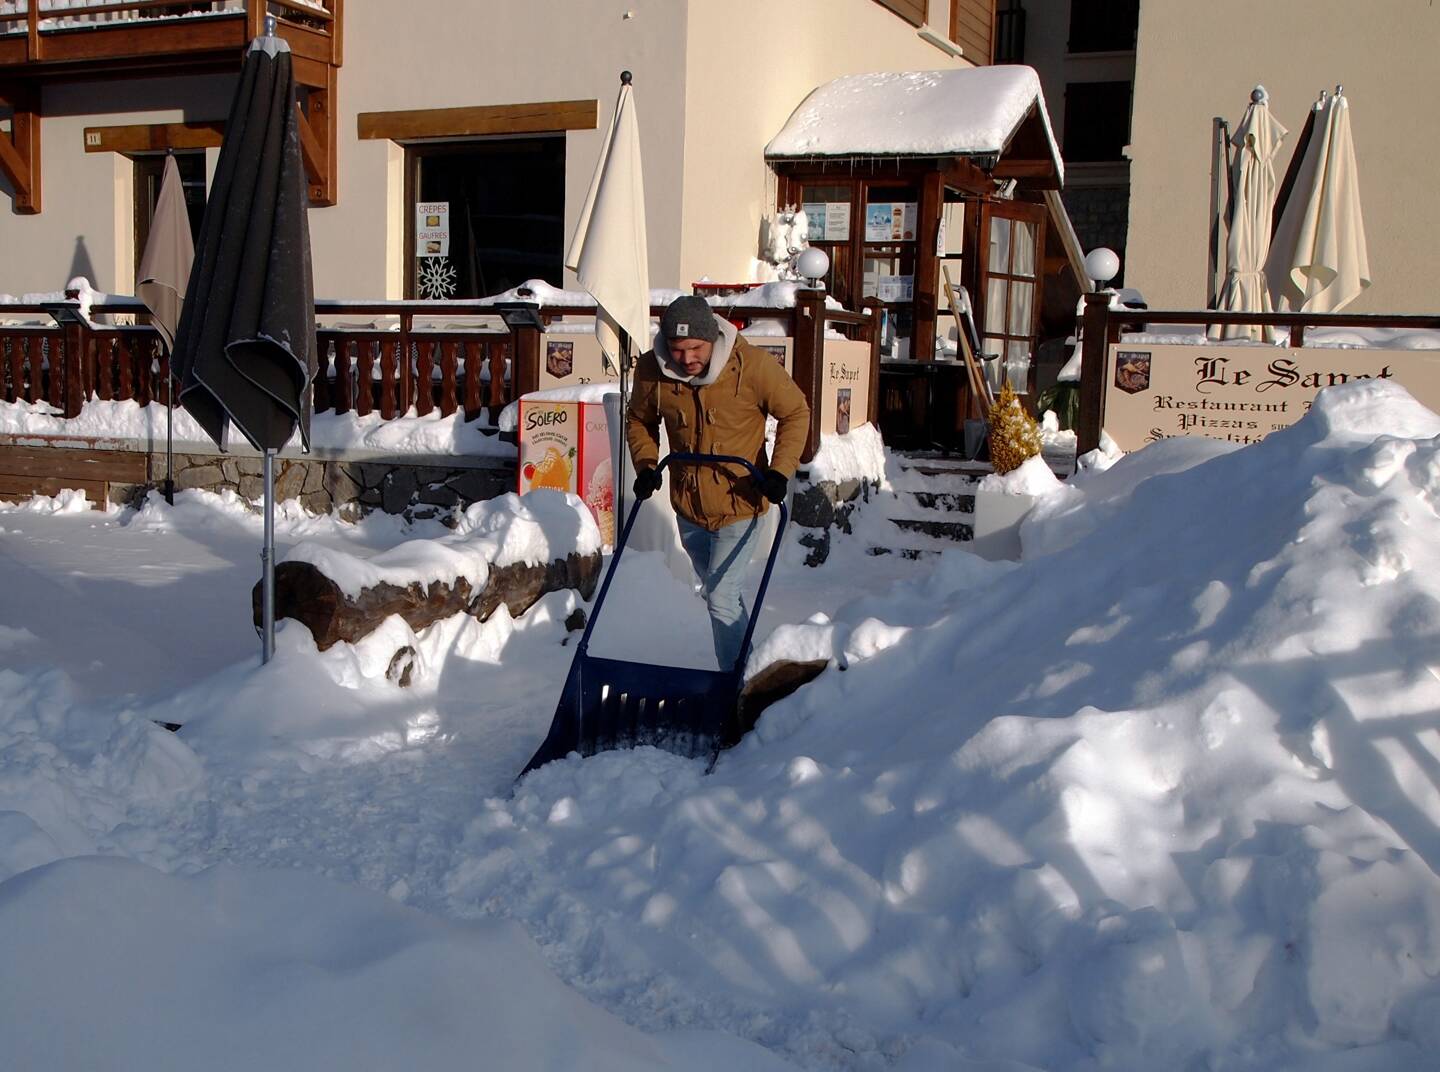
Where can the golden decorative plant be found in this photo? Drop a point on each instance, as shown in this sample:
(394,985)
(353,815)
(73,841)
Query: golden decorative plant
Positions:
(1014,435)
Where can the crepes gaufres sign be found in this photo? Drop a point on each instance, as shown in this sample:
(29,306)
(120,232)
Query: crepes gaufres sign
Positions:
(1240,393)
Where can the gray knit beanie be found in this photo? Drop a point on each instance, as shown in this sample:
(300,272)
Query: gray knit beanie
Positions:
(688,317)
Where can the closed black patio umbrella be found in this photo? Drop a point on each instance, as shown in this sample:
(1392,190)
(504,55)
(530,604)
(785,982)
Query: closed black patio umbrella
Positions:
(245,349)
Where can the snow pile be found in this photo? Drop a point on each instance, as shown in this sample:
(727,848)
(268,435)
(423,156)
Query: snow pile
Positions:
(1162,795)
(537,528)
(1032,477)
(859,454)
(1186,816)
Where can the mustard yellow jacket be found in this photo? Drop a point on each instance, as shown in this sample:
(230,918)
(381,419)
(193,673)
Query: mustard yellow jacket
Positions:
(725,416)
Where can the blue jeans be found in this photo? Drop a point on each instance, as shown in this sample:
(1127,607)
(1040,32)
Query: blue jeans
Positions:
(720,559)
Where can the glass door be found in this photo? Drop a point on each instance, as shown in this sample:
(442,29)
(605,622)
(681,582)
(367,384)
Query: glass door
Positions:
(1014,238)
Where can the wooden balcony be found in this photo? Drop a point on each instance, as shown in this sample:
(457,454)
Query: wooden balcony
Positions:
(94,41)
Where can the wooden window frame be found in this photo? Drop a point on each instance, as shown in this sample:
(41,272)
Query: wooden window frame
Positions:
(966,16)
(915,12)
(543,117)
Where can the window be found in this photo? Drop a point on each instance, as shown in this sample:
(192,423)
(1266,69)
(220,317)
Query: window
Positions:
(972,24)
(485,216)
(914,12)
(1097,121)
(1010,33)
(1103,25)
(149,172)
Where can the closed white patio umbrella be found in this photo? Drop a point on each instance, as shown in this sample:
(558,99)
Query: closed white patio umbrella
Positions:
(1318,260)
(1252,200)
(608,255)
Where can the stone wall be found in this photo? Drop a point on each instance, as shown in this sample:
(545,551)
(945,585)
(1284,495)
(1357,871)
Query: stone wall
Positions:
(821,505)
(351,488)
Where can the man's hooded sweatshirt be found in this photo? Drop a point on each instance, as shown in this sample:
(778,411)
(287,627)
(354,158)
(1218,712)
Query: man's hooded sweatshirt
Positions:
(721,410)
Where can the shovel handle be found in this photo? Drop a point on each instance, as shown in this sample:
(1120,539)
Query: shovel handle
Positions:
(688,458)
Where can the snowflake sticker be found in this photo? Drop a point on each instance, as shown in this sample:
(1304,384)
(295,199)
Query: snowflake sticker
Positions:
(437,280)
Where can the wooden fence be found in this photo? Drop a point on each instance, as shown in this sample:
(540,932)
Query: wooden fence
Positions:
(1103,326)
(393,371)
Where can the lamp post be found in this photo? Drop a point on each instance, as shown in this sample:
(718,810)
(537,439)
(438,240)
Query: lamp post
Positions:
(813,265)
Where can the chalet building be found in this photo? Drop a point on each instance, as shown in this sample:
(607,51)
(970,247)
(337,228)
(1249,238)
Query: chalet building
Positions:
(499,115)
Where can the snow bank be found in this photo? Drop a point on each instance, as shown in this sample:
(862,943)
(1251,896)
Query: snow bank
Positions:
(1163,797)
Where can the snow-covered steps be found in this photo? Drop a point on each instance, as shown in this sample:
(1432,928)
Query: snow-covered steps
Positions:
(934,505)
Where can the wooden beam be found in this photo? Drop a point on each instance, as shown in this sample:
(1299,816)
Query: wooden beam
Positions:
(319,141)
(20,152)
(1024,169)
(155,137)
(540,117)
(961,174)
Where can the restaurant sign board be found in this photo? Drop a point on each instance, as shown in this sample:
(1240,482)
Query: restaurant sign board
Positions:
(1240,393)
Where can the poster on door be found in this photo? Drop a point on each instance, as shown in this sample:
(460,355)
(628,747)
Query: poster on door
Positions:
(888,221)
(432,229)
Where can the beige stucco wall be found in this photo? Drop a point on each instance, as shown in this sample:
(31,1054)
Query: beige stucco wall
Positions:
(87,223)
(444,53)
(1196,61)
(714,81)
(749,68)
(543,50)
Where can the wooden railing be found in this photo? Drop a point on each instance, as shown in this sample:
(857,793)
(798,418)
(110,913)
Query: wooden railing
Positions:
(1102,326)
(34,23)
(475,369)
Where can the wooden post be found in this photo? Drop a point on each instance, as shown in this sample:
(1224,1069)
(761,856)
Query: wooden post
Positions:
(74,366)
(20,151)
(1097,329)
(526,368)
(255,11)
(873,307)
(927,265)
(407,389)
(809,359)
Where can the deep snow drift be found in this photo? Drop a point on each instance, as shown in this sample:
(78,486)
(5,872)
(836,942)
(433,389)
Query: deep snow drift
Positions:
(1166,794)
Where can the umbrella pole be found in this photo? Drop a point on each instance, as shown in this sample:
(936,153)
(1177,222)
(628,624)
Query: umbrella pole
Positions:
(624,409)
(169,435)
(267,565)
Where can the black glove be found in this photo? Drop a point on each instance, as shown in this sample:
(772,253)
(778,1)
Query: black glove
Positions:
(647,482)
(773,485)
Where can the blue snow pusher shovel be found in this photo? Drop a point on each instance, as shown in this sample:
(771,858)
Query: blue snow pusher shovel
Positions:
(612,703)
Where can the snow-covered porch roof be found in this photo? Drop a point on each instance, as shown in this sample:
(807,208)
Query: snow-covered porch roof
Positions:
(995,116)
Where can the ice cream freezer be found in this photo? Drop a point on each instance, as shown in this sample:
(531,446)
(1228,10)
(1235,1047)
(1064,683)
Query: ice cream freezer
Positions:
(566,446)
